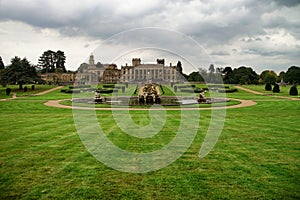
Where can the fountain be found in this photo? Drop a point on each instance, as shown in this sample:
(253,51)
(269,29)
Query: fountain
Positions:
(149,94)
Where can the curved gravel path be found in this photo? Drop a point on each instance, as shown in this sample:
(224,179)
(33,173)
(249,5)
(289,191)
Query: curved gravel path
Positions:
(55,103)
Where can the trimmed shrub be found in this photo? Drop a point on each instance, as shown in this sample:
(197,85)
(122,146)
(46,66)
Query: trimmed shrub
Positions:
(123,88)
(25,89)
(109,86)
(175,88)
(32,87)
(276,88)
(228,90)
(8,91)
(198,90)
(268,87)
(294,90)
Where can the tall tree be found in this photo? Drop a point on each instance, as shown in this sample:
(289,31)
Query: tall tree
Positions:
(1,64)
(20,71)
(51,61)
(293,75)
(60,59)
(228,75)
(179,67)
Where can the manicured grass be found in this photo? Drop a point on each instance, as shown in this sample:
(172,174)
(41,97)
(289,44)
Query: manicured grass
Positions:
(256,157)
(21,93)
(284,90)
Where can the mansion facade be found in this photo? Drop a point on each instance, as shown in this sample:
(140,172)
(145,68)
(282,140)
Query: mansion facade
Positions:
(135,73)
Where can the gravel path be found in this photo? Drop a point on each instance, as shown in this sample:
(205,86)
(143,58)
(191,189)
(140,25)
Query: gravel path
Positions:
(47,91)
(260,93)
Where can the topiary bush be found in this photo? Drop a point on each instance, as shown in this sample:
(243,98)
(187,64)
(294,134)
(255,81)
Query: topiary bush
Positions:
(268,87)
(294,90)
(276,88)
(25,89)
(8,91)
(32,87)
(175,88)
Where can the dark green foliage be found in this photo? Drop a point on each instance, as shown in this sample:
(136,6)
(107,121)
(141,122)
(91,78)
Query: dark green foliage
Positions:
(108,86)
(52,61)
(228,75)
(8,91)
(32,87)
(179,67)
(276,88)
(1,64)
(292,75)
(19,71)
(294,90)
(243,75)
(123,88)
(107,91)
(195,77)
(227,90)
(268,87)
(25,89)
(191,90)
(268,76)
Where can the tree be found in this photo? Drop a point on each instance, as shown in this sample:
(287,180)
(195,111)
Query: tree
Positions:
(227,75)
(268,76)
(1,64)
(59,60)
(244,75)
(293,75)
(281,75)
(51,61)
(294,90)
(20,71)
(195,77)
(179,67)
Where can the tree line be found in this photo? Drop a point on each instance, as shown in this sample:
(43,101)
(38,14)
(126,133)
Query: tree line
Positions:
(244,75)
(21,71)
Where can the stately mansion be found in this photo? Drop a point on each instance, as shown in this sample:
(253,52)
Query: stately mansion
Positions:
(137,72)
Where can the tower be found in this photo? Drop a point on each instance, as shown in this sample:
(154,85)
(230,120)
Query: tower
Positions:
(136,61)
(91,60)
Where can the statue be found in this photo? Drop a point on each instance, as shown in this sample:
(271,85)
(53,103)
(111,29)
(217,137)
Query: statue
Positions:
(201,98)
(97,97)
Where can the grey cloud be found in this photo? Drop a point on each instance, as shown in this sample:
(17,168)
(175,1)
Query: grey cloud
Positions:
(219,53)
(288,3)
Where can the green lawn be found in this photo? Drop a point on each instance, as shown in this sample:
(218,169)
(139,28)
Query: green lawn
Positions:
(284,90)
(256,157)
(21,93)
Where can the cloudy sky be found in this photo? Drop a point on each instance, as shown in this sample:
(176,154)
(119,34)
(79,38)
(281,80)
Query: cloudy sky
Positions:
(260,34)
